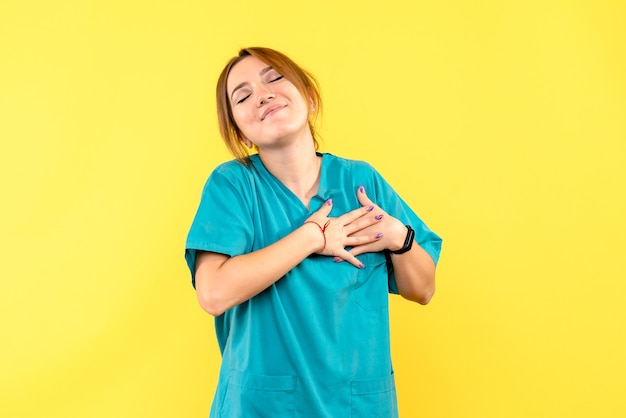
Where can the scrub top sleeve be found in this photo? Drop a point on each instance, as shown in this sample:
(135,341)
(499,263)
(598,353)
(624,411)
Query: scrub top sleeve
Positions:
(393,204)
(223,221)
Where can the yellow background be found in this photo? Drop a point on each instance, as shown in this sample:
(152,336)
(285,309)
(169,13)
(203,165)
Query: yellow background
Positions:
(502,123)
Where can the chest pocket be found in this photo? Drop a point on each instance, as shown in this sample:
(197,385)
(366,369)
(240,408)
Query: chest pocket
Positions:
(255,396)
(372,284)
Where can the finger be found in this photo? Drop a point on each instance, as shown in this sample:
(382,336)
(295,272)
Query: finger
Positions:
(362,196)
(350,258)
(360,224)
(349,217)
(326,208)
(361,240)
(365,248)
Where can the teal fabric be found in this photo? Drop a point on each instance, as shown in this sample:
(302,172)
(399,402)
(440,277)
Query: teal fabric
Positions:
(316,342)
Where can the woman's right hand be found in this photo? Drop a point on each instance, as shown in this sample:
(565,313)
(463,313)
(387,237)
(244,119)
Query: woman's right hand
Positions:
(336,231)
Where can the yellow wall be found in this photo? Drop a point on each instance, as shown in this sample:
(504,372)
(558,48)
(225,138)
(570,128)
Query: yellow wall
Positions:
(502,123)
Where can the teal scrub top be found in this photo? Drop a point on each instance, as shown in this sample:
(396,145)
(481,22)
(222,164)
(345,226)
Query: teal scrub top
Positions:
(316,342)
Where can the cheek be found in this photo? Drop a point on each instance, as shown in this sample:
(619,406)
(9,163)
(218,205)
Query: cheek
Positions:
(305,105)
(244,121)
(241,115)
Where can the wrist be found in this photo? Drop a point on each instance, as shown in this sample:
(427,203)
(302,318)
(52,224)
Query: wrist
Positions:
(398,240)
(319,235)
(407,242)
(396,236)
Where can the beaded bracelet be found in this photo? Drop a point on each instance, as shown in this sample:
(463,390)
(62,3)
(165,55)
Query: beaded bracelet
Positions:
(323,229)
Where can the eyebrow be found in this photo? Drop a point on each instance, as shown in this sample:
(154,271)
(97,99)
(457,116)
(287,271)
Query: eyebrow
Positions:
(240,85)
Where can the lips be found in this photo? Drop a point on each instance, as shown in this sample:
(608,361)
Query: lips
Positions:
(271,109)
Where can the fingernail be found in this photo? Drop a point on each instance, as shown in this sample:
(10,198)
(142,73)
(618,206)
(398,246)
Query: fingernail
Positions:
(329,201)
(362,265)
(336,259)
(378,217)
(369,208)
(362,189)
(379,235)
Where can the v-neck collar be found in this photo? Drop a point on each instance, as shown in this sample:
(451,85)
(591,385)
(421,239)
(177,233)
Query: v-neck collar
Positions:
(322,188)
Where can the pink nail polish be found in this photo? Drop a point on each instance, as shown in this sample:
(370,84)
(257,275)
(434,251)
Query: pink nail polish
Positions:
(379,235)
(362,265)
(361,189)
(378,217)
(369,208)
(336,259)
(329,202)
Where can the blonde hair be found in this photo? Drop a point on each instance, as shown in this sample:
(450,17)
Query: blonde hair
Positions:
(304,81)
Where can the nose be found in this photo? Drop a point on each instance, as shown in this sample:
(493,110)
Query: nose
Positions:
(265,97)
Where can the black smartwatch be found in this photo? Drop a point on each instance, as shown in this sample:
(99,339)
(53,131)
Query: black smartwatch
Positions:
(408,241)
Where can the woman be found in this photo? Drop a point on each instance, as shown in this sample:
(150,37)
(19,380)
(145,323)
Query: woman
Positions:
(294,253)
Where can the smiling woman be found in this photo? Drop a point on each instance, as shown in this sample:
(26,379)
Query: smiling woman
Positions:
(294,253)
(265,105)
(279,66)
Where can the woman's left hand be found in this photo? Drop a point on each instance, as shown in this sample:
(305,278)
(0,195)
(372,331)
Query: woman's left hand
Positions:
(392,232)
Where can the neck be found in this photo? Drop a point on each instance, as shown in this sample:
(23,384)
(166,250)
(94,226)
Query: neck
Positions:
(297,166)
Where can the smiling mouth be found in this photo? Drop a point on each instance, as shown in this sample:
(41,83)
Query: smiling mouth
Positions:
(271,111)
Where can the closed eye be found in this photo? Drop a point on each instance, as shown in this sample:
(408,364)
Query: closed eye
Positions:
(276,78)
(243,99)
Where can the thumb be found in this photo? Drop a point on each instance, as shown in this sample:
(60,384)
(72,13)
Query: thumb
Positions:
(362,196)
(326,208)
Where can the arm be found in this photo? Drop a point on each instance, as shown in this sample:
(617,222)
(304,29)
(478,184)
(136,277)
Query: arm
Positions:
(415,274)
(223,282)
(414,270)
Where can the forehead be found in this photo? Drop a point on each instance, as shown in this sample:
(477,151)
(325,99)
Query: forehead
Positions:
(248,69)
